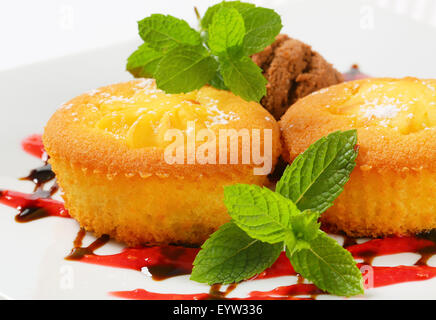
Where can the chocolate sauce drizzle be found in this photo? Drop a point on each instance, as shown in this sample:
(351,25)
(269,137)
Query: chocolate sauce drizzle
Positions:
(78,252)
(40,176)
(28,214)
(169,270)
(368,256)
(427,252)
(215,292)
(348,241)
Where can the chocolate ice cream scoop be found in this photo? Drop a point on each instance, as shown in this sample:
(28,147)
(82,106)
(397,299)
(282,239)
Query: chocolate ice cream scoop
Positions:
(293,70)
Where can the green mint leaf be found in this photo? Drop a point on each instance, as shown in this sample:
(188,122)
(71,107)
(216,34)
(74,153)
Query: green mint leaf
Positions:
(165,32)
(329,266)
(230,255)
(262,26)
(211,11)
(305,228)
(143,62)
(226,31)
(184,69)
(218,82)
(263,214)
(244,78)
(305,225)
(291,242)
(317,176)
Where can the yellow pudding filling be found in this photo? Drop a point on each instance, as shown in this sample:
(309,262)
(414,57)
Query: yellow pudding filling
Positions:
(143,119)
(406,105)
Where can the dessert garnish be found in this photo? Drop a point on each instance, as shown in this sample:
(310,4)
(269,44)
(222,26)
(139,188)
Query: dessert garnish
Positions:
(183,59)
(264,221)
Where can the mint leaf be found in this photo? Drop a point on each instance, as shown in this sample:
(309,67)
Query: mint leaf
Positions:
(263,214)
(184,69)
(230,255)
(244,78)
(317,176)
(218,82)
(143,62)
(304,228)
(165,32)
(305,225)
(226,31)
(211,11)
(329,266)
(262,26)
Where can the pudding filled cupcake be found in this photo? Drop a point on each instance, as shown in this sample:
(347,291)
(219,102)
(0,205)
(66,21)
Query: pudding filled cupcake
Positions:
(147,167)
(392,189)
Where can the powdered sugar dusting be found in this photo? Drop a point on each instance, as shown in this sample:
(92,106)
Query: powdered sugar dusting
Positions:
(145,83)
(93,92)
(382,111)
(384,107)
(148,86)
(217,116)
(66,106)
(118,98)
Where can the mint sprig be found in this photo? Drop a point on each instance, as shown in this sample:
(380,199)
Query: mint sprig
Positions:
(218,54)
(289,218)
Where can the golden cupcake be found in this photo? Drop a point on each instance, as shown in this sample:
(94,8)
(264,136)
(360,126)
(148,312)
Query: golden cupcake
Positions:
(140,165)
(392,189)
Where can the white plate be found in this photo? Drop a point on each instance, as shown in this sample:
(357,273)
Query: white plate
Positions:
(399,43)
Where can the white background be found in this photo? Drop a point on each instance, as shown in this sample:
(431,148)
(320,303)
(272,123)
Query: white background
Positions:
(386,37)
